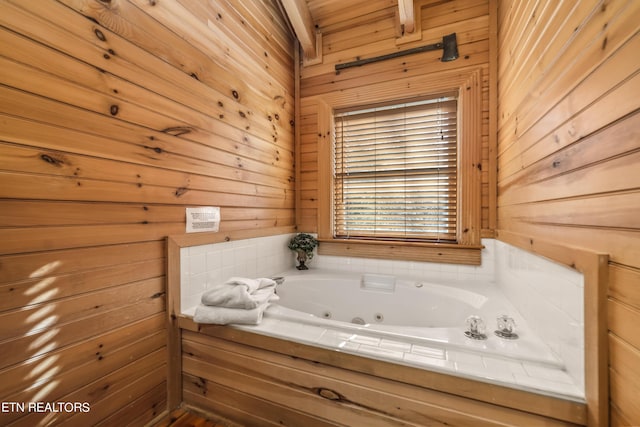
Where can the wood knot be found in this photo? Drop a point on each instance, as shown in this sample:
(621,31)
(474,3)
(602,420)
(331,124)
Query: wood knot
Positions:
(235,94)
(328,394)
(100,35)
(177,130)
(180,191)
(52,160)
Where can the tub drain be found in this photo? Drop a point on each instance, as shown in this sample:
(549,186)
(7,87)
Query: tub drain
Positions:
(358,321)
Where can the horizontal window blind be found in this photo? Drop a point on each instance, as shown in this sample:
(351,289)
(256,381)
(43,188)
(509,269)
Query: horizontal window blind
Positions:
(395,171)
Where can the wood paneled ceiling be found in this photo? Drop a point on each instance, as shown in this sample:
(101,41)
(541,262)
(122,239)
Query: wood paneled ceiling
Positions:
(332,15)
(311,17)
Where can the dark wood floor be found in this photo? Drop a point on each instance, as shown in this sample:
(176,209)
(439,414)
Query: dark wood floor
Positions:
(185,418)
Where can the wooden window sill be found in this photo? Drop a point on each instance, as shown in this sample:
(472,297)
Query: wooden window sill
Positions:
(449,253)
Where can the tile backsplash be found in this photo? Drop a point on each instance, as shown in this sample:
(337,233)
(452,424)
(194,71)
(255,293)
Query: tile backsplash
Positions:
(216,262)
(266,256)
(550,297)
(431,270)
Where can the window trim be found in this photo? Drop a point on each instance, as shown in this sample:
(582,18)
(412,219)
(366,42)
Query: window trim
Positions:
(468,246)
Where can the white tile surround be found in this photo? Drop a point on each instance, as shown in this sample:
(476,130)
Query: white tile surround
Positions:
(216,262)
(547,295)
(550,296)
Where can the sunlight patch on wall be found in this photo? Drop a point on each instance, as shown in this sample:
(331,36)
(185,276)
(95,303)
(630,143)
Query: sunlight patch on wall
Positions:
(39,343)
(45,391)
(45,269)
(41,285)
(40,370)
(39,314)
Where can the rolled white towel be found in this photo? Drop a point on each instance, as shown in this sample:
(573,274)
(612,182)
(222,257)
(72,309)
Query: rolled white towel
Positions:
(239,292)
(226,316)
(251,284)
(229,296)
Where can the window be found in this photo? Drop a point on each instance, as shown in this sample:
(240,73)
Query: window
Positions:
(425,208)
(395,171)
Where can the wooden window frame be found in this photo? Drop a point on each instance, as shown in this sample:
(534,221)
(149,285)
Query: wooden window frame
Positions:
(468,244)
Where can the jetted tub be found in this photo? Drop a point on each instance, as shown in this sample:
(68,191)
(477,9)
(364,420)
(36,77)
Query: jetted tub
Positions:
(415,311)
(417,323)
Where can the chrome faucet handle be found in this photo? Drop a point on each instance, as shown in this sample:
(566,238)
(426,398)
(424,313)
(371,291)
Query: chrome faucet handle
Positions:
(506,327)
(475,328)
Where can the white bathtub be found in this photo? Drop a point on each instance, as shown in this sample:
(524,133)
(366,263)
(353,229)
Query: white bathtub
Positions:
(414,322)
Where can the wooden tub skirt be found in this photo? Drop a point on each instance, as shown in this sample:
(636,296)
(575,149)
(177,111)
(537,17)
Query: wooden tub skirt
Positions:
(257,380)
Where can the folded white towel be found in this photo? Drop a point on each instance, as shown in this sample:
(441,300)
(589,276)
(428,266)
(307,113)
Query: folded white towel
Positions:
(225,316)
(240,292)
(230,296)
(251,284)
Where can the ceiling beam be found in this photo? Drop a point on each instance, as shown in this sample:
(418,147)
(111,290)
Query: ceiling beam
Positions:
(407,17)
(302,23)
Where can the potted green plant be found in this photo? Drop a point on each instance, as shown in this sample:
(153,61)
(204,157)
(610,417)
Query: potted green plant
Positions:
(303,244)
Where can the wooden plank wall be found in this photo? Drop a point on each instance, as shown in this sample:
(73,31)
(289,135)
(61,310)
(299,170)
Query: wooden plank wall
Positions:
(114,116)
(257,380)
(371,28)
(569,151)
